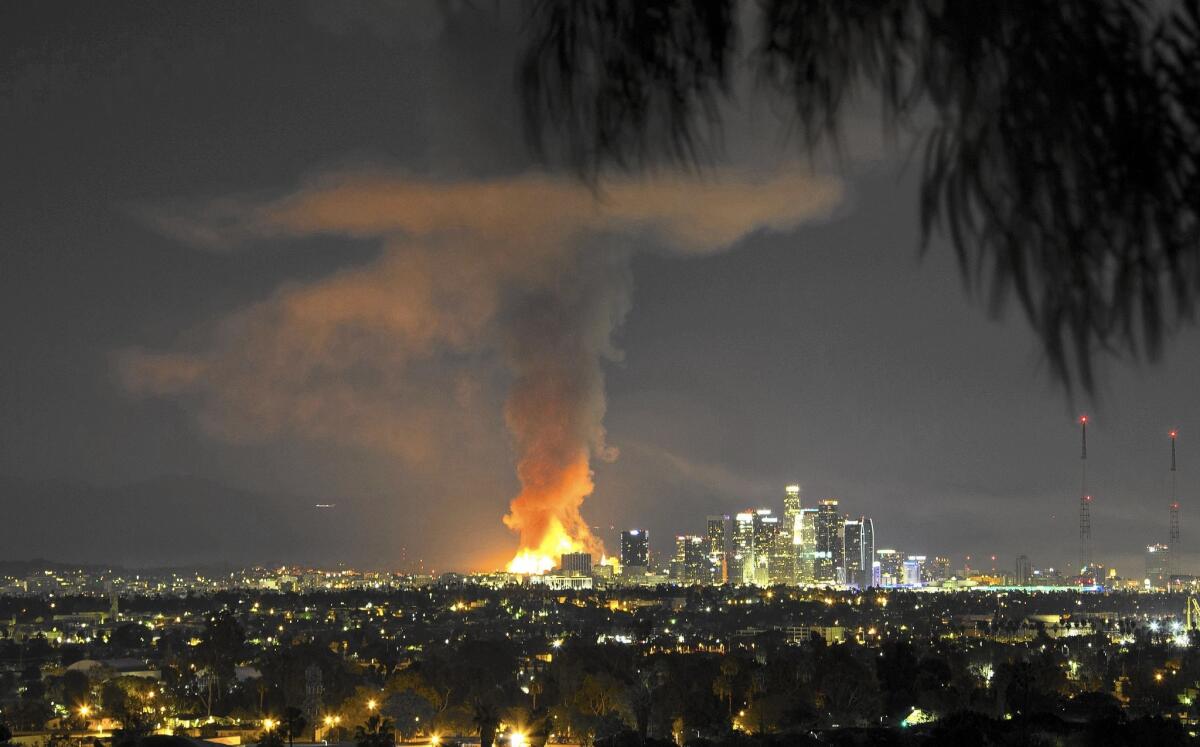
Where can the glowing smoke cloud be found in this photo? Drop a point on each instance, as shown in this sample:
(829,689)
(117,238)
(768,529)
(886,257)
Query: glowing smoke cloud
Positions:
(530,272)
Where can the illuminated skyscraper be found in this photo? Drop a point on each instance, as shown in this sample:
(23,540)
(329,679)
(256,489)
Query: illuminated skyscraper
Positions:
(858,546)
(741,570)
(940,569)
(1024,570)
(757,549)
(852,552)
(868,552)
(635,548)
(914,570)
(829,541)
(690,564)
(766,544)
(891,567)
(790,534)
(1158,564)
(577,563)
(806,546)
(716,539)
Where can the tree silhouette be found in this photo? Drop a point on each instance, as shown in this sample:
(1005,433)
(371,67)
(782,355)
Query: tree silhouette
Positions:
(377,731)
(270,738)
(292,723)
(1059,141)
(486,718)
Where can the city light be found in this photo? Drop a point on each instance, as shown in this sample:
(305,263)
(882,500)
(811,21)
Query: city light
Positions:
(517,739)
(268,724)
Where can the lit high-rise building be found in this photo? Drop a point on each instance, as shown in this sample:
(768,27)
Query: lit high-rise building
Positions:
(868,552)
(690,564)
(829,542)
(790,534)
(1024,570)
(766,544)
(757,548)
(858,552)
(635,548)
(806,546)
(852,552)
(576,563)
(741,570)
(940,569)
(914,570)
(717,538)
(1158,565)
(891,567)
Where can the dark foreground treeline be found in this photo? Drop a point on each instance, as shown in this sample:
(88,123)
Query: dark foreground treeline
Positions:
(966,729)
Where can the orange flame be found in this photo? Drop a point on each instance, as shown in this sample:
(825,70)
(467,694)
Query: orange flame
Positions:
(546,513)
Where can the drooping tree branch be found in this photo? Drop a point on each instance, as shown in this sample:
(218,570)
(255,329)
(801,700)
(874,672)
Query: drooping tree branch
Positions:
(1060,139)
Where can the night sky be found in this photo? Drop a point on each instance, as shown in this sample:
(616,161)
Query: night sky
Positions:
(201,199)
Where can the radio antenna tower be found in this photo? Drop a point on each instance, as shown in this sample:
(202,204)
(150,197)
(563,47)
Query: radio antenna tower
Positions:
(1173,537)
(1085,501)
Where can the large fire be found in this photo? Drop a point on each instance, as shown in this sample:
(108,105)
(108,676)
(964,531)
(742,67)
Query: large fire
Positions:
(546,513)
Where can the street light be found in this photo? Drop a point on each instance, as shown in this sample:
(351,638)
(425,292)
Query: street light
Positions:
(268,724)
(371,704)
(331,722)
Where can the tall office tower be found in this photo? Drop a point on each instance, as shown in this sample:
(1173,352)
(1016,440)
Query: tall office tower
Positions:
(635,548)
(829,541)
(782,566)
(891,567)
(716,536)
(766,542)
(576,563)
(1158,564)
(1024,570)
(939,568)
(914,570)
(852,552)
(791,525)
(806,546)
(868,552)
(690,564)
(741,570)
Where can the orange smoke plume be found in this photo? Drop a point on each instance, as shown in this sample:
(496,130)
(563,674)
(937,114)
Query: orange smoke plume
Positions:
(556,341)
(531,271)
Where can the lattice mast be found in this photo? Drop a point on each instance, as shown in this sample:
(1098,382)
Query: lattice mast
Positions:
(1173,547)
(1085,502)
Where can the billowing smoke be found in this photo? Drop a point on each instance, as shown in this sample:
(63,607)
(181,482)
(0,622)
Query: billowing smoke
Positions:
(522,279)
(557,338)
